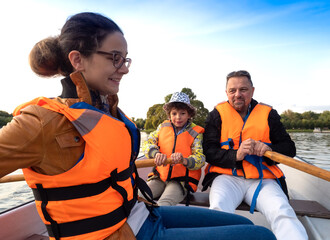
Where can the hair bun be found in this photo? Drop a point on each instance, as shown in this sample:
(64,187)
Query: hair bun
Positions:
(45,57)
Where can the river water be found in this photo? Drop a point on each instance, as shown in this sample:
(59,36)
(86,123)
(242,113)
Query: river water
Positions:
(312,147)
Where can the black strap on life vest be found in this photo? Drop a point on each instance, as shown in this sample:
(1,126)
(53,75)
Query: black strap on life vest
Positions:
(79,191)
(53,227)
(83,226)
(186,179)
(121,190)
(144,189)
(93,224)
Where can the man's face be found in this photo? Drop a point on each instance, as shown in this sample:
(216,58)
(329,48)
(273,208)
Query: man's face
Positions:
(239,92)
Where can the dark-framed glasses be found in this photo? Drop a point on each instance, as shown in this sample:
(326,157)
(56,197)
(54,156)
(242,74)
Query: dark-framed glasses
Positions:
(117,60)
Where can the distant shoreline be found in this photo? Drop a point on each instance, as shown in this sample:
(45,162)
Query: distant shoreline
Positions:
(299,130)
(288,130)
(308,130)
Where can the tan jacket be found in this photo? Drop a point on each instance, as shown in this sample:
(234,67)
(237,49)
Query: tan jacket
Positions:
(47,142)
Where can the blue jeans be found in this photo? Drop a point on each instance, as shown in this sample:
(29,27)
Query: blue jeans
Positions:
(181,223)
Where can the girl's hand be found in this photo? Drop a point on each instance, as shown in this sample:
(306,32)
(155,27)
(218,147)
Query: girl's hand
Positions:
(160,159)
(176,158)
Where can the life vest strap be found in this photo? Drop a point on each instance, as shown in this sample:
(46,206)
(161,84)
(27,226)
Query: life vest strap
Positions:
(93,224)
(114,178)
(144,189)
(53,224)
(229,143)
(78,191)
(183,179)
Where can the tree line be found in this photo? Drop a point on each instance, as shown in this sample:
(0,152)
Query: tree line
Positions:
(306,120)
(5,118)
(291,120)
(156,115)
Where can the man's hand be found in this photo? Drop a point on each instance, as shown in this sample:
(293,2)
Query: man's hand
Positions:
(251,147)
(246,148)
(260,148)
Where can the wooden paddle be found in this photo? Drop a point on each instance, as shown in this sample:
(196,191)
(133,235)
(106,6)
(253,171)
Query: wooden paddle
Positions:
(149,162)
(277,157)
(139,164)
(302,166)
(12,178)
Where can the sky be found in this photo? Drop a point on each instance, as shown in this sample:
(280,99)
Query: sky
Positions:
(285,45)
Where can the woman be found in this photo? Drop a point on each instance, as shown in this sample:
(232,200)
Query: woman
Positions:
(77,151)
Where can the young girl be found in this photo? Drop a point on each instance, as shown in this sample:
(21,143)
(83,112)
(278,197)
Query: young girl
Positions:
(181,140)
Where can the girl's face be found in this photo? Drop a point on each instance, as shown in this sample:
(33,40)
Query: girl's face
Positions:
(99,70)
(179,117)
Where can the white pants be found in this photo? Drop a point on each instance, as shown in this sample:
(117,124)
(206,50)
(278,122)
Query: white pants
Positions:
(227,192)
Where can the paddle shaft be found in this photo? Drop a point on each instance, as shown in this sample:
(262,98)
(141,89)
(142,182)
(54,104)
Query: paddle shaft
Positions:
(302,166)
(12,178)
(277,157)
(139,164)
(149,162)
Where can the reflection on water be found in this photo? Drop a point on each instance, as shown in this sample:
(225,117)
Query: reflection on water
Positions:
(313,147)
(14,194)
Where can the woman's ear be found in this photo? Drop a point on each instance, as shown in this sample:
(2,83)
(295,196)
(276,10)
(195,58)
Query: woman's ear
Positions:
(76,60)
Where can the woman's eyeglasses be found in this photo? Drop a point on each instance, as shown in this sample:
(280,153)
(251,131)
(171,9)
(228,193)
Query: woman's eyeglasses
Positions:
(117,60)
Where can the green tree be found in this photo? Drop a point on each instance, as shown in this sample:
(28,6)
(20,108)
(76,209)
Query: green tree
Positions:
(310,115)
(306,120)
(140,123)
(201,114)
(157,115)
(286,123)
(290,115)
(5,118)
(324,118)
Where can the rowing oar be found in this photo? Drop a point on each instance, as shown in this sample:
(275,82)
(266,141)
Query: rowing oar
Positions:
(139,164)
(277,157)
(149,162)
(12,178)
(302,166)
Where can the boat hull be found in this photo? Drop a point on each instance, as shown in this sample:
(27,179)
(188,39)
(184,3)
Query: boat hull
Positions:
(23,222)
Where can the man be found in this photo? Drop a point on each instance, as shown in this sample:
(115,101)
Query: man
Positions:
(237,134)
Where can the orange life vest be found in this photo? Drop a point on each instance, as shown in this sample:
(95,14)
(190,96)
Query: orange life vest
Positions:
(94,198)
(234,131)
(169,143)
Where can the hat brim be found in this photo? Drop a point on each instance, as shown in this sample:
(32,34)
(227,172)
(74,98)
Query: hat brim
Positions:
(165,107)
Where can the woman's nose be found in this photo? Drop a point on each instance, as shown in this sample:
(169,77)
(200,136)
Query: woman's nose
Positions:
(123,69)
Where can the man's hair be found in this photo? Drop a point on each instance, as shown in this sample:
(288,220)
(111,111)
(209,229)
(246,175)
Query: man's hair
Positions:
(179,106)
(240,73)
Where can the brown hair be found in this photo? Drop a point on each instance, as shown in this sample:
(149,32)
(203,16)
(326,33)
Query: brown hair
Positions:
(83,32)
(240,73)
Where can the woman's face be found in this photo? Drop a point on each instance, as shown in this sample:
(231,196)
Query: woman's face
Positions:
(99,70)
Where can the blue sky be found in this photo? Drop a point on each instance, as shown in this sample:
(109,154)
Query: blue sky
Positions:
(285,45)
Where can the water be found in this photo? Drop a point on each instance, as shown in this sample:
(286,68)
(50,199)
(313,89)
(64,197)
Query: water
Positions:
(313,147)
